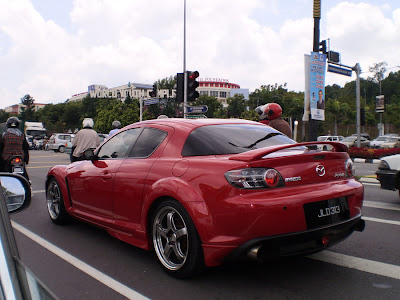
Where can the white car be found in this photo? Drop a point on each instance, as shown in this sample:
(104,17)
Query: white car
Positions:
(328,138)
(388,172)
(376,143)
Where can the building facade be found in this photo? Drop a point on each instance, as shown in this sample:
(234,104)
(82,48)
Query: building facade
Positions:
(222,89)
(17,108)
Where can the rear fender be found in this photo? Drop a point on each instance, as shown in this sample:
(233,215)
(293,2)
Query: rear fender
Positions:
(185,194)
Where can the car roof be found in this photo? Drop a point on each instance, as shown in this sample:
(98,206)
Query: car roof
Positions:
(194,123)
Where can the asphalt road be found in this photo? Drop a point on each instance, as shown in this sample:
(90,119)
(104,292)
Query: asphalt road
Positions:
(79,261)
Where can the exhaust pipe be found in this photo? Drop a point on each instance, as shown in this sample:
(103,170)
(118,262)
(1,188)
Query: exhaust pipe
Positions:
(360,226)
(253,253)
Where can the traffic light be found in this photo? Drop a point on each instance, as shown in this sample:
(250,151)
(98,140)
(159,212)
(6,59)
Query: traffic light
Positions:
(322,47)
(153,93)
(179,87)
(333,56)
(192,85)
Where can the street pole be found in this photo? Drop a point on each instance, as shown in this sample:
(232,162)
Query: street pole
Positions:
(357,69)
(313,124)
(184,63)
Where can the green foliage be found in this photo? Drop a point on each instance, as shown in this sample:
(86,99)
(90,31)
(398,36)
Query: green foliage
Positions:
(3,115)
(215,107)
(27,111)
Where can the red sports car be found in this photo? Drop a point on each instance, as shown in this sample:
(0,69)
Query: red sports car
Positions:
(198,192)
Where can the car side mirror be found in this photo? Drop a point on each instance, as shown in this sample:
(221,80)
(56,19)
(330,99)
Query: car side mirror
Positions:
(88,154)
(16,191)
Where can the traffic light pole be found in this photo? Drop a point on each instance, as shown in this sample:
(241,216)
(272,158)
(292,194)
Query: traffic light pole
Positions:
(185,79)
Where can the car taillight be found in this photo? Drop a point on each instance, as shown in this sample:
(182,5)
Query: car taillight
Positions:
(254,178)
(383,165)
(349,166)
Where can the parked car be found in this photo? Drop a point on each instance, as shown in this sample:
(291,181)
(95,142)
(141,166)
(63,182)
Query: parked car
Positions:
(351,141)
(16,280)
(198,192)
(388,172)
(392,142)
(364,135)
(329,138)
(57,141)
(376,143)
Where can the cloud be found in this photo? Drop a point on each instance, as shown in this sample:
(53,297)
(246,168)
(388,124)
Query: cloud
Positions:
(142,41)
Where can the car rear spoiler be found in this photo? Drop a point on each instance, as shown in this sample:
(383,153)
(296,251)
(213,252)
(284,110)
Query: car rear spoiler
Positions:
(259,153)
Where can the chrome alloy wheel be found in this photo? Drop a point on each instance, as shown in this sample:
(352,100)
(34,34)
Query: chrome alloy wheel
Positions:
(53,196)
(170,238)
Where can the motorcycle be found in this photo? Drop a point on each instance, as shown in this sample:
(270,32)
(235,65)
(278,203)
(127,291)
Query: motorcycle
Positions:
(18,166)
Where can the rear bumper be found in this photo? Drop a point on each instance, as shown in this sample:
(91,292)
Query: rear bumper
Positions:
(388,179)
(300,243)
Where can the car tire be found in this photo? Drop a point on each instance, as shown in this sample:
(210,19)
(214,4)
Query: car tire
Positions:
(176,241)
(61,149)
(55,203)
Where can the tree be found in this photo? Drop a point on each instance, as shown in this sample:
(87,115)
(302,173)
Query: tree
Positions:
(3,116)
(236,106)
(27,108)
(214,106)
(378,70)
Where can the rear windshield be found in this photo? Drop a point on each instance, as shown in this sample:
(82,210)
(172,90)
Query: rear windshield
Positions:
(232,139)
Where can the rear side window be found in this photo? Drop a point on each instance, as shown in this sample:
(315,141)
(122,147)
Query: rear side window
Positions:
(231,139)
(147,142)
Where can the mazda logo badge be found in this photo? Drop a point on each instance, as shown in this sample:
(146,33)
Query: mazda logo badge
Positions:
(320,170)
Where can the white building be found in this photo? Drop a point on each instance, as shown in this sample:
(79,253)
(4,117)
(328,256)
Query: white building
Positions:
(215,87)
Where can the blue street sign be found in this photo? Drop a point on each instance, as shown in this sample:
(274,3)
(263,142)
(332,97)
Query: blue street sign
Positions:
(197,109)
(150,101)
(338,70)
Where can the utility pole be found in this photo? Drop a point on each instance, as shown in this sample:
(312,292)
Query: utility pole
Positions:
(313,124)
(357,69)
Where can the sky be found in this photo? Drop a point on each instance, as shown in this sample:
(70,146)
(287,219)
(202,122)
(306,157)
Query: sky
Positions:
(53,49)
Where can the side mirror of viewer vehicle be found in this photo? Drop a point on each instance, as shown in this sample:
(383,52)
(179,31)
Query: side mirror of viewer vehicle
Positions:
(16,191)
(17,281)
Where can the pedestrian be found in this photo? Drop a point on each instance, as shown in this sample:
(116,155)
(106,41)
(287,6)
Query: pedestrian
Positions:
(273,112)
(116,126)
(13,143)
(86,138)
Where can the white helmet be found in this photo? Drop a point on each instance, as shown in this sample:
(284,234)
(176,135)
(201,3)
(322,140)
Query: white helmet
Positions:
(87,123)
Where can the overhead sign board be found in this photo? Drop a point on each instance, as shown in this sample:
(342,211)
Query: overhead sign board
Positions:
(339,70)
(197,109)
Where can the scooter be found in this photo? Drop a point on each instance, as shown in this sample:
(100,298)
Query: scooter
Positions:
(18,165)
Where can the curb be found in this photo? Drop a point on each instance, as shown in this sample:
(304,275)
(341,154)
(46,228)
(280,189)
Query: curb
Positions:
(368,160)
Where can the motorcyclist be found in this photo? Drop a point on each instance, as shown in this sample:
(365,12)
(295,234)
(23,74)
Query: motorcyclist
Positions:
(116,126)
(271,114)
(85,138)
(13,142)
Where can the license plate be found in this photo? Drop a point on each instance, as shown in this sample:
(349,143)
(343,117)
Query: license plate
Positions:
(326,212)
(18,170)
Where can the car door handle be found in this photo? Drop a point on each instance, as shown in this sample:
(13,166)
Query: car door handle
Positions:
(106,175)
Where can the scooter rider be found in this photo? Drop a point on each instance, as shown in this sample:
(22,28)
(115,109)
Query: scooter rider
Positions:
(13,142)
(86,138)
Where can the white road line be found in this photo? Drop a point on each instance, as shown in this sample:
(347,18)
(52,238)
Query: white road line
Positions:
(361,264)
(38,192)
(381,221)
(106,280)
(382,205)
